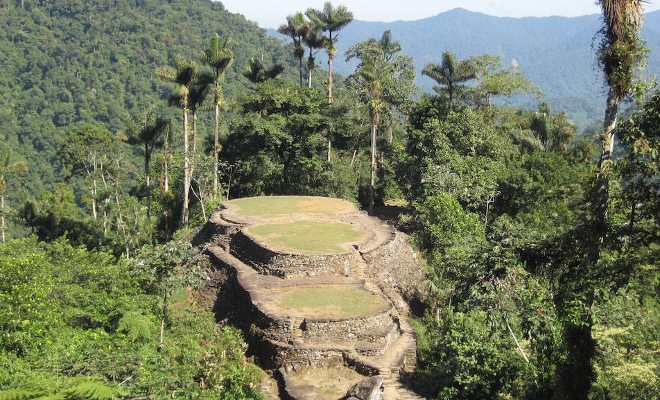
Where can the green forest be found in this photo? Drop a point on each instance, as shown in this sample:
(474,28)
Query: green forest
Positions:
(124,123)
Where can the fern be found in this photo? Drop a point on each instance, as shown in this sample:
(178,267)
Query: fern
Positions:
(136,326)
(90,389)
(19,394)
(57,396)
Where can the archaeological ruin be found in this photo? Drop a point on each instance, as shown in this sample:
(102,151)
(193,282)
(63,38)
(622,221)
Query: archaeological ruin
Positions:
(322,292)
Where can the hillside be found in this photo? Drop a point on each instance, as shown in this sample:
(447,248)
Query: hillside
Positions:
(556,53)
(67,61)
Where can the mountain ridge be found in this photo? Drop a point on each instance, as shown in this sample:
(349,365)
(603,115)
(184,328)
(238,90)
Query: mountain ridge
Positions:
(556,53)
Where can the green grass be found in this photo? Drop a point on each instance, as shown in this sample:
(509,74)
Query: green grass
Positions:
(308,237)
(277,206)
(332,302)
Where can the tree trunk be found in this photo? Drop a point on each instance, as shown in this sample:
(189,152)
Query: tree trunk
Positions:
(2,215)
(166,167)
(520,350)
(191,161)
(300,70)
(310,68)
(186,171)
(450,89)
(577,374)
(330,57)
(216,146)
(194,131)
(147,172)
(372,185)
(200,197)
(602,189)
(161,342)
(94,213)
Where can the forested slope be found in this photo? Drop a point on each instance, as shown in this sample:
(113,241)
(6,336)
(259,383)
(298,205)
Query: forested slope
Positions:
(70,61)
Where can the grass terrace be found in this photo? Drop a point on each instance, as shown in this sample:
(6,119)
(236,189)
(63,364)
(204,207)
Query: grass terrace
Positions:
(328,301)
(308,237)
(281,206)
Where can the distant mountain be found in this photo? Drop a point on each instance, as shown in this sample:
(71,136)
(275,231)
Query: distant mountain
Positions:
(556,53)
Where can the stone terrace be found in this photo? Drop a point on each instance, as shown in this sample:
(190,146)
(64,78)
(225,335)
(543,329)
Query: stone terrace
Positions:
(322,322)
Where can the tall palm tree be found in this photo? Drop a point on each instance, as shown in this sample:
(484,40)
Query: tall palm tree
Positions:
(220,57)
(382,81)
(199,91)
(7,168)
(331,20)
(314,41)
(149,132)
(450,73)
(370,79)
(373,89)
(257,72)
(183,76)
(296,28)
(621,51)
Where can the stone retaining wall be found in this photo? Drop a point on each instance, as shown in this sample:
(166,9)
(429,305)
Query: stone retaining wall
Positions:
(346,329)
(216,231)
(291,329)
(397,265)
(286,266)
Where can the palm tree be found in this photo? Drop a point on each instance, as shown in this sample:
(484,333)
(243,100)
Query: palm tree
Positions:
(450,73)
(373,89)
(621,51)
(382,81)
(7,168)
(296,28)
(148,132)
(389,46)
(199,91)
(183,75)
(314,40)
(372,79)
(257,72)
(219,57)
(330,20)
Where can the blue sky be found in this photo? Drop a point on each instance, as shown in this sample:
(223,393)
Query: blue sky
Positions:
(271,13)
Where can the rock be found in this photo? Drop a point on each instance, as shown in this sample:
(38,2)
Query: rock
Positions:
(368,389)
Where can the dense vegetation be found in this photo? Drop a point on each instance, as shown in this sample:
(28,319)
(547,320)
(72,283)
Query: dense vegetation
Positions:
(66,62)
(541,256)
(81,325)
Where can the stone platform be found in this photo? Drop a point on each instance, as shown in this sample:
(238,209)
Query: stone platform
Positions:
(325,309)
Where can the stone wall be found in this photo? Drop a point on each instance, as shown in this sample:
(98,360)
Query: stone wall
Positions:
(216,231)
(290,329)
(344,329)
(396,267)
(287,266)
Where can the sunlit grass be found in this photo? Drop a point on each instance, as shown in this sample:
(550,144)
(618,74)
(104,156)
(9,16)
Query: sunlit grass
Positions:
(328,301)
(278,206)
(308,237)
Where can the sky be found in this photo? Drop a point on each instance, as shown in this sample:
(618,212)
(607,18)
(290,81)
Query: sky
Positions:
(272,13)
